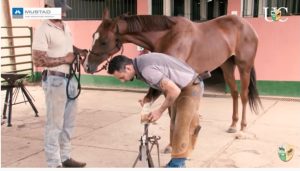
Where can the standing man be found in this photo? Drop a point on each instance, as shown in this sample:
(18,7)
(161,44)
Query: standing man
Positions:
(182,89)
(53,49)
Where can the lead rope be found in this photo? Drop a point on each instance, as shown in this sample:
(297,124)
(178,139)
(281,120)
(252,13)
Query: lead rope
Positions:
(74,68)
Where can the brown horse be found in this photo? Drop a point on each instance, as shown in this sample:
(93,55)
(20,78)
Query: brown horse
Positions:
(227,41)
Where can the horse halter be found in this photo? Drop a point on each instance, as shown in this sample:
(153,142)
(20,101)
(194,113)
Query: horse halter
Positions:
(119,46)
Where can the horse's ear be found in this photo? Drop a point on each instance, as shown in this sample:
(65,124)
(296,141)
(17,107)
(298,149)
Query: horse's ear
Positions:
(105,15)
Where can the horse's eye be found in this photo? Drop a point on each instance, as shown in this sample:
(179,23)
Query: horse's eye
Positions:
(103,43)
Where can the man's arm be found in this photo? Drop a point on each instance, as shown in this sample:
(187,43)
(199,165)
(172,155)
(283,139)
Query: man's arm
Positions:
(171,91)
(41,59)
(82,52)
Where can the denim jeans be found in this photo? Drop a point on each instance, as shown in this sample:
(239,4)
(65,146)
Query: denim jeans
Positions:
(60,119)
(176,163)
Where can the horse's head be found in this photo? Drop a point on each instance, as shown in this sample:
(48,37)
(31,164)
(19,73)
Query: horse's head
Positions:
(106,42)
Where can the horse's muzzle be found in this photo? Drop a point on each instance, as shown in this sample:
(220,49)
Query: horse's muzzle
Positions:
(89,69)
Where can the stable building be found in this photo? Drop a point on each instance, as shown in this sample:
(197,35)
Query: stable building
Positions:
(277,23)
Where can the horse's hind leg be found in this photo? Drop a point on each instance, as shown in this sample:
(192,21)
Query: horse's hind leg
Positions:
(245,80)
(168,148)
(228,72)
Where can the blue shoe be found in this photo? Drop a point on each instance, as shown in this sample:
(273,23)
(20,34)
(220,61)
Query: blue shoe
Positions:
(177,163)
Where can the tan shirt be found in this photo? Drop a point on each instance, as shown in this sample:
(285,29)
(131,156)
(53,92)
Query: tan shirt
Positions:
(55,41)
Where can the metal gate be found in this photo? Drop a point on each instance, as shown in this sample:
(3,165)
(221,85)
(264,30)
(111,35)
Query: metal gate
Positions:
(16,47)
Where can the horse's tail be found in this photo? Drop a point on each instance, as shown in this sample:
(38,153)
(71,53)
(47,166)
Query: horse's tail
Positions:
(253,96)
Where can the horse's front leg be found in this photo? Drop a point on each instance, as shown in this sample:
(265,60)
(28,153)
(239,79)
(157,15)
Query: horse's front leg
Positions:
(228,72)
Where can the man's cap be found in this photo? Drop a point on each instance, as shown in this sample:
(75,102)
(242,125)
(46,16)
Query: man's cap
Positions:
(59,4)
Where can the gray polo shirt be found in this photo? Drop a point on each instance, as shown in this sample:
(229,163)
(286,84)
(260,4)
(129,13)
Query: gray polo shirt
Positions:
(153,67)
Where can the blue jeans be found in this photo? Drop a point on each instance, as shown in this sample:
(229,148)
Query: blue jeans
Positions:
(60,119)
(176,163)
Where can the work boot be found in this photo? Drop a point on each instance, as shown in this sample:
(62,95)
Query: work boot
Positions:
(177,163)
(73,163)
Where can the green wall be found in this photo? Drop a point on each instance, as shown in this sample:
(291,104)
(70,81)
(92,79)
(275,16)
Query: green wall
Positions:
(276,88)
(270,88)
(109,81)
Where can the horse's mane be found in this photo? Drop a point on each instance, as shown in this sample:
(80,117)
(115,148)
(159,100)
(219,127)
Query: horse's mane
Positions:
(145,23)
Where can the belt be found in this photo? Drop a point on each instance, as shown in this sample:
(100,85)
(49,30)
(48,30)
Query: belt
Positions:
(204,75)
(55,73)
(199,77)
(194,81)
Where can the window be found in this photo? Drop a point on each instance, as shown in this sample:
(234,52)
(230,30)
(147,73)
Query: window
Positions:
(294,6)
(195,10)
(255,8)
(157,7)
(177,8)
(207,9)
(92,9)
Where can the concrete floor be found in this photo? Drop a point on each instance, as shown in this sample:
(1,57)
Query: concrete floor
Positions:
(108,129)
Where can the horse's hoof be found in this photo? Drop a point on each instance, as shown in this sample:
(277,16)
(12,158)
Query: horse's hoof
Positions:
(231,130)
(168,149)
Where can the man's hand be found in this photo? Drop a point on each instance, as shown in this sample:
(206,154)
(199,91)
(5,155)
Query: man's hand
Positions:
(83,52)
(69,58)
(154,115)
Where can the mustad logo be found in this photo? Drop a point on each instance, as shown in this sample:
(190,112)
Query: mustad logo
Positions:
(17,13)
(37,11)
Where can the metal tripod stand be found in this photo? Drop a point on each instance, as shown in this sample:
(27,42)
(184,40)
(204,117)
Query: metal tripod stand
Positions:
(144,151)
